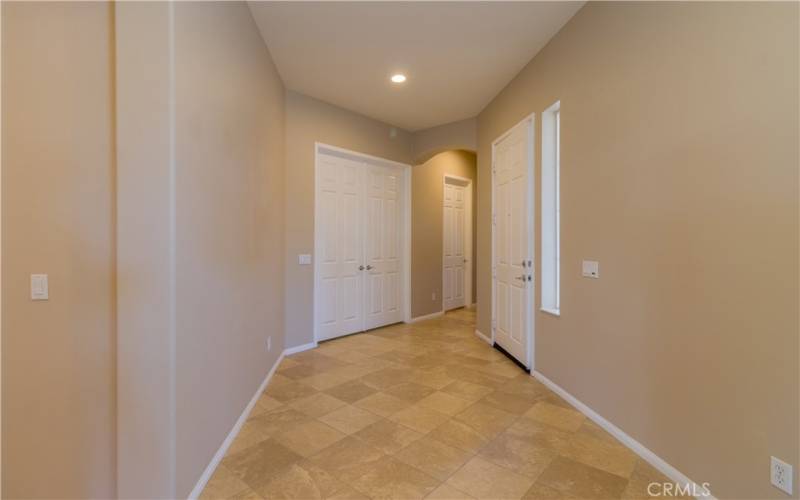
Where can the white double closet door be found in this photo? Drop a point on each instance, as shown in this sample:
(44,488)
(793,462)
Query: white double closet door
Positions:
(359,241)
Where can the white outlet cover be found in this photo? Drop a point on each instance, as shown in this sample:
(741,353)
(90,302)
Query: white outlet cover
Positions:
(591,269)
(304,259)
(781,474)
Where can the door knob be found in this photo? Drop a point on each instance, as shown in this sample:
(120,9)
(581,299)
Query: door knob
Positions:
(369,267)
(360,268)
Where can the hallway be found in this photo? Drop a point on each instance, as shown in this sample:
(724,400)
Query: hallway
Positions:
(420,410)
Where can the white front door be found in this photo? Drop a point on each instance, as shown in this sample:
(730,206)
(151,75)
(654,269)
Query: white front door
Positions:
(383,229)
(359,245)
(513,241)
(454,257)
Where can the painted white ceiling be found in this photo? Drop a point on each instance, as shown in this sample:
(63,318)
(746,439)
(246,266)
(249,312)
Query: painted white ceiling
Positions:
(457,55)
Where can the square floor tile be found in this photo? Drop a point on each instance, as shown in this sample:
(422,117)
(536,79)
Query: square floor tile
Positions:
(409,391)
(575,479)
(433,457)
(389,478)
(352,391)
(349,419)
(347,459)
(418,418)
(286,390)
(482,479)
(382,404)
(459,435)
(467,390)
(487,420)
(258,464)
(512,403)
(556,416)
(317,404)
(386,378)
(223,484)
(518,455)
(444,403)
(447,492)
(306,481)
(605,455)
(309,437)
(387,436)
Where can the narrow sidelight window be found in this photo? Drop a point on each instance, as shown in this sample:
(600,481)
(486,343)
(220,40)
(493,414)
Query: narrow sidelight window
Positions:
(551,209)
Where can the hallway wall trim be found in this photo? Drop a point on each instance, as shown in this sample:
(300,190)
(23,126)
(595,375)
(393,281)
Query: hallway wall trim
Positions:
(300,348)
(220,454)
(483,337)
(426,316)
(635,446)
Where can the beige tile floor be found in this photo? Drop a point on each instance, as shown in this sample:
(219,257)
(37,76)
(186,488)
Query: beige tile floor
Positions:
(420,411)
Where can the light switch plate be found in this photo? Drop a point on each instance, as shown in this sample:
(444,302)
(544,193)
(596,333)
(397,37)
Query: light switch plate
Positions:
(39,288)
(304,259)
(591,269)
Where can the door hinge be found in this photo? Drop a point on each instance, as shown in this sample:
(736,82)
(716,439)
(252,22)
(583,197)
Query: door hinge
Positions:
(494,219)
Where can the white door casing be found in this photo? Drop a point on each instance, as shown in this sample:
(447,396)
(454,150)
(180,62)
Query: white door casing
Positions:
(361,229)
(454,245)
(512,238)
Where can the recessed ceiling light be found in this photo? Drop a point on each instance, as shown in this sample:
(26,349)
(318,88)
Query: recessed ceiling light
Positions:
(399,78)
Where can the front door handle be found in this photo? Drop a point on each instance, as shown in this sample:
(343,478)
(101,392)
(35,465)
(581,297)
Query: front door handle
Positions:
(369,267)
(360,268)
(521,278)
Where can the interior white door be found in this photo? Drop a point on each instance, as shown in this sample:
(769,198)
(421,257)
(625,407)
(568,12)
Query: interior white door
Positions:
(513,242)
(339,303)
(454,258)
(383,230)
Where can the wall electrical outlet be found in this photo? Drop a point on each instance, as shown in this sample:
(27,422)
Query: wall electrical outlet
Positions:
(590,269)
(433,296)
(269,343)
(780,474)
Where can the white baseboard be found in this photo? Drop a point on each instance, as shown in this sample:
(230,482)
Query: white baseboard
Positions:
(662,466)
(218,456)
(300,348)
(427,316)
(483,337)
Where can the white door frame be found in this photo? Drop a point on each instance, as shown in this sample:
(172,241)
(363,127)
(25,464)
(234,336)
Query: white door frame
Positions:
(530,121)
(322,148)
(467,237)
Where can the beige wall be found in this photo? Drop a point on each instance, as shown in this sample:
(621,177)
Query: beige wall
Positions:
(426,226)
(58,368)
(457,135)
(229,147)
(308,121)
(164,244)
(679,174)
(145,265)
